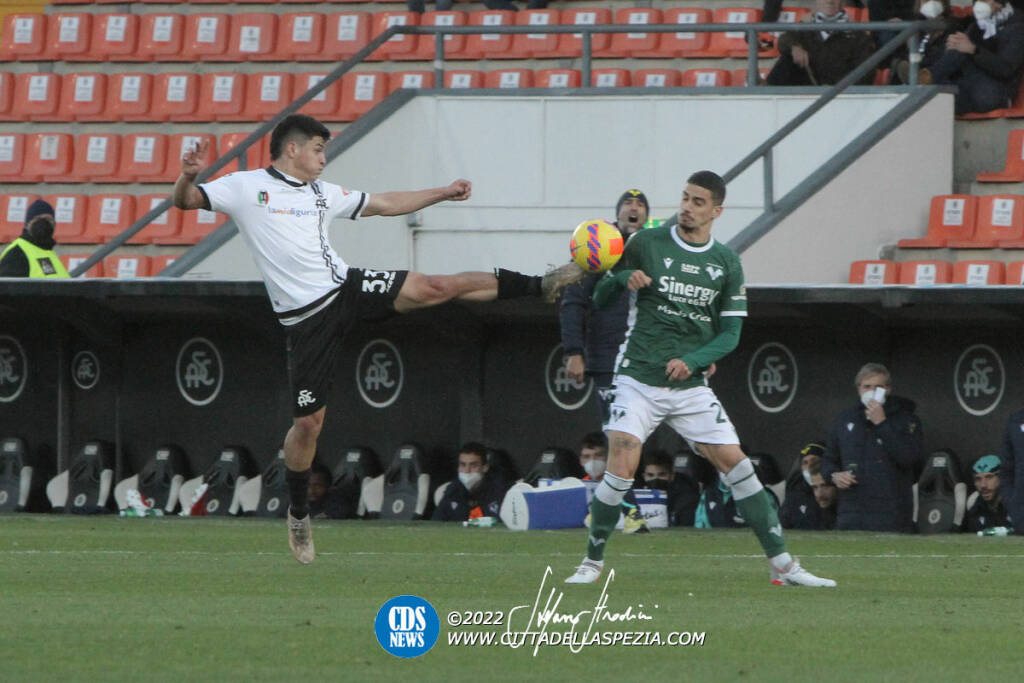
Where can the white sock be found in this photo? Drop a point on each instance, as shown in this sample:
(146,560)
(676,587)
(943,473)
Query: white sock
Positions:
(612,489)
(597,563)
(743,480)
(781,561)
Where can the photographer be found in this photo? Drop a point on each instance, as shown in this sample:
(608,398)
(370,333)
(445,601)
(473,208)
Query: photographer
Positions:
(871,456)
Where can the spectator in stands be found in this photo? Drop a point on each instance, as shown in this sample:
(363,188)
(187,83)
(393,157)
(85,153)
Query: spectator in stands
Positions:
(594,460)
(985,61)
(931,44)
(683,491)
(324,502)
(799,509)
(476,493)
(717,508)
(872,454)
(987,508)
(821,57)
(591,337)
(825,496)
(31,254)
(890,10)
(1011,469)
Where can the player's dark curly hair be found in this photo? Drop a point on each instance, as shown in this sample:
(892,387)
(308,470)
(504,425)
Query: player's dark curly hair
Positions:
(712,182)
(296,125)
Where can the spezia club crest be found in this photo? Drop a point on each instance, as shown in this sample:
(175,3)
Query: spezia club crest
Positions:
(979,379)
(407,626)
(772,377)
(564,391)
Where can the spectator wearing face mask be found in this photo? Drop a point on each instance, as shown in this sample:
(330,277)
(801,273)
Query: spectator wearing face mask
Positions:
(32,255)
(872,454)
(683,491)
(594,461)
(799,509)
(985,61)
(931,44)
(476,493)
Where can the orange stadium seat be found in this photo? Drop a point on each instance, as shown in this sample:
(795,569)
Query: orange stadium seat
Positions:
(926,272)
(181,143)
(6,95)
(158,263)
(360,92)
(1014,111)
(462,78)
(738,77)
(129,96)
(97,156)
(409,79)
(70,36)
(71,261)
(951,217)
(557,78)
(301,37)
(83,97)
(48,155)
(144,158)
(490,45)
(25,37)
(195,225)
(256,156)
(206,37)
(253,38)
(12,159)
(571,44)
(397,46)
(166,225)
(267,94)
(1013,167)
(682,43)
(999,222)
(508,78)
(161,36)
(861,13)
(626,44)
(325,104)
(454,46)
(115,38)
(36,97)
(346,33)
(126,266)
(175,97)
(69,212)
(1015,273)
(525,45)
(610,78)
(12,214)
(705,78)
(222,97)
(109,215)
(731,43)
(878,272)
(656,78)
(979,273)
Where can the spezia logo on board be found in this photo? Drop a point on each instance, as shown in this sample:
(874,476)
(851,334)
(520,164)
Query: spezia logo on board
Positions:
(979,379)
(379,373)
(772,377)
(564,391)
(85,370)
(407,626)
(199,371)
(13,369)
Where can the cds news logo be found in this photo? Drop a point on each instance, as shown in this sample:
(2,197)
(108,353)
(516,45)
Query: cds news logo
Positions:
(407,626)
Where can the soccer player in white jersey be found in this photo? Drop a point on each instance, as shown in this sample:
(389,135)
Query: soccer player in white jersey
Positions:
(283,213)
(687,305)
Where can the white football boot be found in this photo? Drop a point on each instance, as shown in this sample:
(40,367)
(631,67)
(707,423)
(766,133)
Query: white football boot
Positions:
(300,538)
(589,571)
(795,575)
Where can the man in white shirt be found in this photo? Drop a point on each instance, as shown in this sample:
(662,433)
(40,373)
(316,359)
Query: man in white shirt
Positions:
(283,213)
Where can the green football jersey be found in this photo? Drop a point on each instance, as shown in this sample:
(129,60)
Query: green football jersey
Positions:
(692,288)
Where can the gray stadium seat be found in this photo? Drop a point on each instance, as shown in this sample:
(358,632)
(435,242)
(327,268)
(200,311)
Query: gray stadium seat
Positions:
(15,475)
(223,480)
(405,487)
(941,495)
(159,482)
(84,488)
(357,467)
(266,495)
(555,463)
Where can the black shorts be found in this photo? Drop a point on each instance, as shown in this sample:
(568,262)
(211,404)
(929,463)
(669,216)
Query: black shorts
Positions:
(314,343)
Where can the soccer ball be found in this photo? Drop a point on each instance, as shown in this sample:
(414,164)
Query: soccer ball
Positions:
(596,246)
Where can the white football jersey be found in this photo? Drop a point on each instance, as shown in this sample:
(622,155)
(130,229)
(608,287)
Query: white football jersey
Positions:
(285,223)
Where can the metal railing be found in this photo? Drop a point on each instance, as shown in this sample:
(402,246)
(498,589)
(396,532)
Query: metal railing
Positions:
(908,31)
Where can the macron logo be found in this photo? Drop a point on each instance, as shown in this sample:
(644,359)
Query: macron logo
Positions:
(668,263)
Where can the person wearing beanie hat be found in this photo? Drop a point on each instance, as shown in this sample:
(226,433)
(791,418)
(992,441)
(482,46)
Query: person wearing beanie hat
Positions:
(32,255)
(799,510)
(985,507)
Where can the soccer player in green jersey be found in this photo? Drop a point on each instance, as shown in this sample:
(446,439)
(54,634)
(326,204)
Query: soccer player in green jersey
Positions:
(688,304)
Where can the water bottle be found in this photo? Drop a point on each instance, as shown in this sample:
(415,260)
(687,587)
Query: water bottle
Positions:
(482,522)
(996,531)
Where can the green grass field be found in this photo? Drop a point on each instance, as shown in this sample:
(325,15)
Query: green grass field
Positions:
(221,599)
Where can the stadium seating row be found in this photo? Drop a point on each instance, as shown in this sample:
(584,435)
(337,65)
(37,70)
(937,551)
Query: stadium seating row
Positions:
(111,158)
(121,266)
(319,37)
(85,219)
(884,272)
(967,222)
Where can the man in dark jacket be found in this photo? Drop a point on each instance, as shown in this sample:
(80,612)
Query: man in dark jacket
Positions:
(985,507)
(799,508)
(32,255)
(985,61)
(591,337)
(872,454)
(476,493)
(821,57)
(1011,470)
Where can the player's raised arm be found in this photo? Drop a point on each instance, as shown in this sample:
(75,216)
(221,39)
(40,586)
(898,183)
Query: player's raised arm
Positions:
(186,194)
(403,202)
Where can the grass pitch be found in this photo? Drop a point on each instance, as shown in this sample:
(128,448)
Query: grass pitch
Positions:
(221,599)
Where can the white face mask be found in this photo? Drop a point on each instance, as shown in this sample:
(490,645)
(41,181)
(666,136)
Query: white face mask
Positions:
(595,467)
(982,10)
(931,9)
(470,479)
(877,394)
(807,477)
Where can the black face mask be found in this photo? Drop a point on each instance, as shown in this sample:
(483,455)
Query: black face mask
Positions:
(661,484)
(41,229)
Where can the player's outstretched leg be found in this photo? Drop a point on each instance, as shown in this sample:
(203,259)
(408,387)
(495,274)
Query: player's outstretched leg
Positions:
(759,510)
(299,450)
(419,290)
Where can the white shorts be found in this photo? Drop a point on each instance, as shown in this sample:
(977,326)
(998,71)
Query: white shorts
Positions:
(695,414)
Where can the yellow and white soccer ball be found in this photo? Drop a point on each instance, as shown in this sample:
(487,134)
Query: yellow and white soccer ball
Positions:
(596,245)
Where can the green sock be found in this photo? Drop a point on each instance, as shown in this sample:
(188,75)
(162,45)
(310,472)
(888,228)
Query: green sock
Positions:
(603,518)
(760,513)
